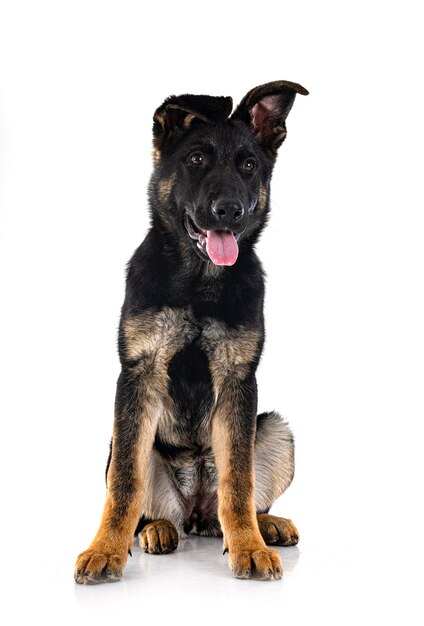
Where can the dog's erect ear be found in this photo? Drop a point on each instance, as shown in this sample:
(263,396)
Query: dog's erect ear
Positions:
(178,112)
(265,108)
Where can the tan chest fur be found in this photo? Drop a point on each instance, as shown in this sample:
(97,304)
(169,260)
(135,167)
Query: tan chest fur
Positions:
(155,337)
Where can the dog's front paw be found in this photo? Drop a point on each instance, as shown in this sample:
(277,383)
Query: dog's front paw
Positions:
(262,563)
(100,564)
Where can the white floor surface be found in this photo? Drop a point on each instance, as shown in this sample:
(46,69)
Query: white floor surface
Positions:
(325,582)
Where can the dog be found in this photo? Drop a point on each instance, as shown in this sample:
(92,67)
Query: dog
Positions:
(189,454)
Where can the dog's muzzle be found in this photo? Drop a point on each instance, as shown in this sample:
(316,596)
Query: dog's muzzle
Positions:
(219,245)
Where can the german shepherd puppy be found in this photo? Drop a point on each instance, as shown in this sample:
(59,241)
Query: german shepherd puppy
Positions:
(188,451)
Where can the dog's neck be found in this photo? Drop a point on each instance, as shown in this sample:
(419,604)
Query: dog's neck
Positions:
(181,258)
(189,277)
(163,273)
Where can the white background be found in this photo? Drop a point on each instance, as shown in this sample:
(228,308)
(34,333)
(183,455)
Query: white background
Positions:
(343,253)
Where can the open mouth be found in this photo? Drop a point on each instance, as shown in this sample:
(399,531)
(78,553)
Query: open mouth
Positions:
(220,246)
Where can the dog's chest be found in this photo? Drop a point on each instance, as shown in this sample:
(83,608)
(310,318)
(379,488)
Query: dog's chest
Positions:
(190,389)
(194,356)
(212,353)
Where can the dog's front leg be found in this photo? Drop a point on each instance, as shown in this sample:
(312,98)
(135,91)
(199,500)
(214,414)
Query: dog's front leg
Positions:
(233,434)
(136,416)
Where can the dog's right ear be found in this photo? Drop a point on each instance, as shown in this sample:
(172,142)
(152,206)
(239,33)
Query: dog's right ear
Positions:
(177,114)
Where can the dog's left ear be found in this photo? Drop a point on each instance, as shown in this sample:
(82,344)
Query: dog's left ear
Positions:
(265,109)
(177,114)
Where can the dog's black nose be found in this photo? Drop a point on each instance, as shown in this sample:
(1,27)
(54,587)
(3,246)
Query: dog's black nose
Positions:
(228,210)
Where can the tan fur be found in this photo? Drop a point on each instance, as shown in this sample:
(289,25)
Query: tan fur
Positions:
(159,537)
(263,198)
(153,338)
(165,188)
(280,134)
(277,531)
(160,118)
(230,351)
(229,480)
(108,552)
(188,120)
(156,144)
(186,249)
(158,333)
(190,115)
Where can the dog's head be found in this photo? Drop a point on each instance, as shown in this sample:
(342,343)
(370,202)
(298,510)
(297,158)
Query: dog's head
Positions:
(210,186)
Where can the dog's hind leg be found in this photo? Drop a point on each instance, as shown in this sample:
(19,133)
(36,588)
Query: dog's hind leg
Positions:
(274,469)
(162,521)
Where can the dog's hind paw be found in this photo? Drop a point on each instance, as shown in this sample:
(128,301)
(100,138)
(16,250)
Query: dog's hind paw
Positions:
(277,531)
(159,537)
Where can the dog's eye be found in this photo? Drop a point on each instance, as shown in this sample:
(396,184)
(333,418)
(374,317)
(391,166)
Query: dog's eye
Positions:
(249,164)
(196,158)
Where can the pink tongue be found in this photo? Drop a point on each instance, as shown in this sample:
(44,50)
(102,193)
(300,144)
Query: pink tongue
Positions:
(221,247)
